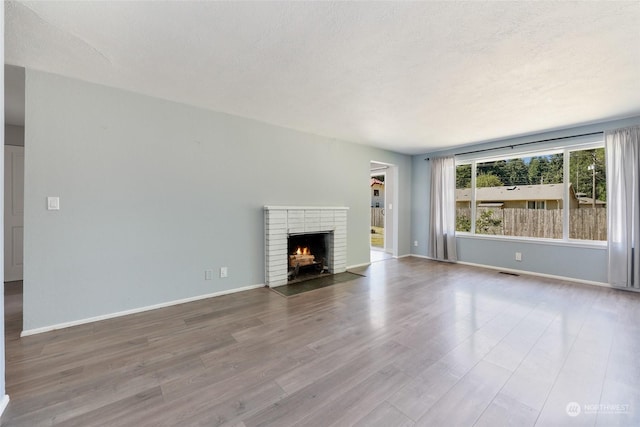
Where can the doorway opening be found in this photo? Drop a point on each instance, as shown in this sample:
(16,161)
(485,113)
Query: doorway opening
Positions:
(380,184)
(14,107)
(377,211)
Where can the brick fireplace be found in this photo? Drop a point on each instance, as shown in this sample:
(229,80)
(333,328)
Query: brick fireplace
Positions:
(283,222)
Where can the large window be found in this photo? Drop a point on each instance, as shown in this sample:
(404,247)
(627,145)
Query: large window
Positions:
(559,194)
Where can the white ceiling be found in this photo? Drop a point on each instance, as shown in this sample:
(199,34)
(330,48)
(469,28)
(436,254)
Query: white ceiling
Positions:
(407,76)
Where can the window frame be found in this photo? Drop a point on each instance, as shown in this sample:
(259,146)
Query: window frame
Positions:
(565,150)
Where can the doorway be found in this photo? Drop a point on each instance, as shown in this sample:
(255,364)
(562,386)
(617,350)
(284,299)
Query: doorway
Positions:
(14,108)
(380,184)
(14,105)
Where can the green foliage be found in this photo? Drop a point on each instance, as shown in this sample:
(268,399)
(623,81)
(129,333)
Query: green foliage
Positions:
(463,176)
(525,171)
(463,223)
(582,178)
(554,170)
(486,222)
(514,172)
(488,180)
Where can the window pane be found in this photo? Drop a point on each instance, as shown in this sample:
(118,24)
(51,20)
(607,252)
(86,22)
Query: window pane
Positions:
(520,196)
(463,198)
(588,213)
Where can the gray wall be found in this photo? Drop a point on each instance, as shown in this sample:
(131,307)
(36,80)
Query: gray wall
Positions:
(14,135)
(584,263)
(153,192)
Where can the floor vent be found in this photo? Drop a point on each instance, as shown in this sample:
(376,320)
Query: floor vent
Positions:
(510,274)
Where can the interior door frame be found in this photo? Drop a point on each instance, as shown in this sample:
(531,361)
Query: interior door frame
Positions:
(391,190)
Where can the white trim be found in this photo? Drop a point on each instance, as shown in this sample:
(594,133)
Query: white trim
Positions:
(422,256)
(401,256)
(533,273)
(135,310)
(315,208)
(364,264)
(4,403)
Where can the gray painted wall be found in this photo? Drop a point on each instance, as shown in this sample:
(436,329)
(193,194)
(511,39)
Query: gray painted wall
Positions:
(584,263)
(154,192)
(14,135)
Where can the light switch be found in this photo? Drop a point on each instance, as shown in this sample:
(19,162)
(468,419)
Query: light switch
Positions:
(390,206)
(53,203)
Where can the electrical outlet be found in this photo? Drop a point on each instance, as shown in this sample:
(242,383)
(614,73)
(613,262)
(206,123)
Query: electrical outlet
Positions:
(208,275)
(224,272)
(518,256)
(415,243)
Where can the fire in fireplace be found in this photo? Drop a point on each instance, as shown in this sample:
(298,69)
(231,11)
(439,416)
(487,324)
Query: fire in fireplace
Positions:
(307,255)
(301,257)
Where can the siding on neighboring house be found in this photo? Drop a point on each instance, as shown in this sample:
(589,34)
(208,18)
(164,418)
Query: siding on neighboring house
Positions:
(377,193)
(547,196)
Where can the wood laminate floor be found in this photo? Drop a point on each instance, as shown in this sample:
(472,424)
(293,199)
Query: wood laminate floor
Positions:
(415,342)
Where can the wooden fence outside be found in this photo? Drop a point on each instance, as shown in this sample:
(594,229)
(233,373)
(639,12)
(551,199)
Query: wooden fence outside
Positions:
(584,223)
(377,217)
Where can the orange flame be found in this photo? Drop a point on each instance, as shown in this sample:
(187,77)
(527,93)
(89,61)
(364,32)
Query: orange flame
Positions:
(302,251)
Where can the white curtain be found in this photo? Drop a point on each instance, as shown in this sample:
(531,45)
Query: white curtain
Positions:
(442,227)
(623,200)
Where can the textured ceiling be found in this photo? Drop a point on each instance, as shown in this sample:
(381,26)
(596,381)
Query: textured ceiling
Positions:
(411,77)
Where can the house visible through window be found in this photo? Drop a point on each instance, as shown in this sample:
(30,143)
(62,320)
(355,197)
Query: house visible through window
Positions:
(376,192)
(535,195)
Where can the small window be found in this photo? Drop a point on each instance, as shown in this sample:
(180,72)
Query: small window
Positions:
(377,204)
(536,204)
(376,192)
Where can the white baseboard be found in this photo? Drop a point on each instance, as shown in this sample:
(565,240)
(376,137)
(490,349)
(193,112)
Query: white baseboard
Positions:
(134,311)
(421,256)
(4,403)
(364,264)
(401,256)
(533,273)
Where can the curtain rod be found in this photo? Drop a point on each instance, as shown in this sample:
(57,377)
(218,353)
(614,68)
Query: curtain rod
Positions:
(527,143)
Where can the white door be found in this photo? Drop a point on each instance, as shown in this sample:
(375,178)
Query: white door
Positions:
(13,212)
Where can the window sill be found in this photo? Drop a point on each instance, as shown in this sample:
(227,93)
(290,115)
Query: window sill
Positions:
(587,244)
